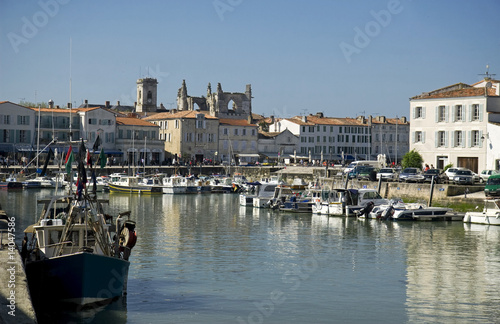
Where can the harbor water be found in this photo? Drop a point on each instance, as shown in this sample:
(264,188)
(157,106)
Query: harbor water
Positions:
(205,259)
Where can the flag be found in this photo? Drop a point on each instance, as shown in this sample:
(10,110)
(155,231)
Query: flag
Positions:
(94,182)
(97,143)
(89,158)
(81,152)
(82,174)
(49,156)
(102,158)
(69,160)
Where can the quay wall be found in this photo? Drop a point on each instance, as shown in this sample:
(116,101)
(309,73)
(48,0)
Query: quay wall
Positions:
(15,299)
(331,177)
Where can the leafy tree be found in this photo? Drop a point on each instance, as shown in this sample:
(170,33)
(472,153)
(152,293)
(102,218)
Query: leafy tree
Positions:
(412,159)
(448,166)
(33,105)
(264,126)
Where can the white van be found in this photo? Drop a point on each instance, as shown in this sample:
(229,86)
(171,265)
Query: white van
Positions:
(350,167)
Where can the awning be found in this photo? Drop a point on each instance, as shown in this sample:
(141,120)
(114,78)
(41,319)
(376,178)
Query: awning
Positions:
(248,155)
(299,156)
(115,152)
(7,148)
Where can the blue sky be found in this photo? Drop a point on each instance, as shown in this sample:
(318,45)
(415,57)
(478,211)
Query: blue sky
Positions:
(342,58)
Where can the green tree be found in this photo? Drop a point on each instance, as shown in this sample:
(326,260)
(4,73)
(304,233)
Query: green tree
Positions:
(412,159)
(33,105)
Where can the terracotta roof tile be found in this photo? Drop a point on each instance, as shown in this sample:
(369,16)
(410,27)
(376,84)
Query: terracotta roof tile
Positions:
(235,122)
(133,121)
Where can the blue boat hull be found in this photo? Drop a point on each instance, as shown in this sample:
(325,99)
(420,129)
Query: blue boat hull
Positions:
(81,278)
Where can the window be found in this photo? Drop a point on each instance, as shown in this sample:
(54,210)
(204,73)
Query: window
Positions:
(318,139)
(177,124)
(211,138)
(324,128)
(419,112)
(303,129)
(419,137)
(23,120)
(459,113)
(236,131)
(224,131)
(475,138)
(475,112)
(23,136)
(253,132)
(199,137)
(458,139)
(441,139)
(243,132)
(441,114)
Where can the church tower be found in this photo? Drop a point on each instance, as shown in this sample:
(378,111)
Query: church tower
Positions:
(146,95)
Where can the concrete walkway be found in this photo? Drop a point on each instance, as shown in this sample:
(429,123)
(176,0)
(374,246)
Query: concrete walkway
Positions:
(15,300)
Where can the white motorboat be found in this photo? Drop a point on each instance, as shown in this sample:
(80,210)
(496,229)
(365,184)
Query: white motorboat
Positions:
(490,215)
(263,192)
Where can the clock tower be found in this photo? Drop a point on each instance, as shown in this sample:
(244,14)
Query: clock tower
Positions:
(146,95)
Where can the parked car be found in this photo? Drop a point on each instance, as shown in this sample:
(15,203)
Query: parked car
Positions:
(363,172)
(388,174)
(450,173)
(439,177)
(485,174)
(411,175)
(492,187)
(463,176)
(367,173)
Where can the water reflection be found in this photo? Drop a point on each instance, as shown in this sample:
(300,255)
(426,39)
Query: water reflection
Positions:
(206,259)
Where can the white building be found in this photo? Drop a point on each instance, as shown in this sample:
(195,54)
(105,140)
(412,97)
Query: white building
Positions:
(458,125)
(280,146)
(17,128)
(325,138)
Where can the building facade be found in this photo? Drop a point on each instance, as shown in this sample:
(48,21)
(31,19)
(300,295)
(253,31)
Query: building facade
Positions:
(456,124)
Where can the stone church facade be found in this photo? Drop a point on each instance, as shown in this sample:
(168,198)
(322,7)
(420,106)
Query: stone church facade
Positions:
(230,105)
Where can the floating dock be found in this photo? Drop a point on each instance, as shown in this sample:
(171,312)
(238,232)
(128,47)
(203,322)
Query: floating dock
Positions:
(15,301)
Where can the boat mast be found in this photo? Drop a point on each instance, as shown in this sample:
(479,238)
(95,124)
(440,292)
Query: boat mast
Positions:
(144,156)
(38,138)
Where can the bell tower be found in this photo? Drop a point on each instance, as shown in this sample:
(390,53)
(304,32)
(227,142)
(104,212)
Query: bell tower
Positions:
(146,95)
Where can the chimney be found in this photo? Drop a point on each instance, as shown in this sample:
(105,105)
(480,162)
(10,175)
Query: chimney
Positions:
(135,104)
(69,105)
(107,104)
(86,103)
(304,119)
(51,103)
(319,114)
(403,120)
(58,107)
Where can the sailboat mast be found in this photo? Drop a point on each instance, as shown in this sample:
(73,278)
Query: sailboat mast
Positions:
(144,156)
(38,138)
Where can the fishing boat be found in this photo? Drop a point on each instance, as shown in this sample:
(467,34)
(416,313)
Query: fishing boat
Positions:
(490,215)
(174,184)
(76,254)
(262,192)
(130,184)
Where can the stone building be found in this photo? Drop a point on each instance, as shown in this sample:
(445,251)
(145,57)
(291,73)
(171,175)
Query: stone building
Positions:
(188,135)
(238,141)
(147,89)
(231,105)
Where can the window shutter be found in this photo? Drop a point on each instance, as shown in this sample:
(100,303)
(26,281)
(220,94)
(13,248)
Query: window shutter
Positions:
(463,138)
(480,140)
(413,137)
(453,113)
(19,120)
(469,139)
(28,135)
(452,139)
(436,138)
(12,133)
(470,112)
(423,112)
(446,113)
(423,137)
(446,139)
(414,112)
(437,114)
(481,108)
